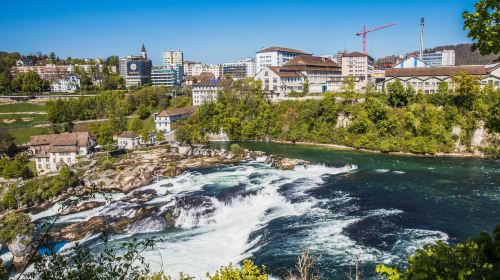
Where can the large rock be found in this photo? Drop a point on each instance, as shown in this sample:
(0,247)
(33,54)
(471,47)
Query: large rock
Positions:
(285,163)
(140,196)
(21,247)
(83,207)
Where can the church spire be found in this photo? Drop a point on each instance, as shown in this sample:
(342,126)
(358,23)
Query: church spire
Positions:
(143,49)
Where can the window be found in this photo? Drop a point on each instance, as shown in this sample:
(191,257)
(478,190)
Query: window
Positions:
(275,80)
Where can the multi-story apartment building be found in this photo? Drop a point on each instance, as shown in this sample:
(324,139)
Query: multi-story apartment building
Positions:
(427,79)
(68,83)
(47,72)
(138,69)
(164,119)
(316,72)
(174,60)
(123,67)
(276,56)
(163,77)
(358,65)
(196,68)
(54,151)
(240,69)
(440,58)
(205,92)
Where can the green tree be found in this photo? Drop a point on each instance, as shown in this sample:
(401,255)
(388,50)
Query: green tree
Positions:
(14,223)
(398,95)
(484,26)
(248,271)
(135,124)
(160,137)
(478,258)
(305,86)
(467,88)
(236,149)
(493,120)
(348,85)
(142,112)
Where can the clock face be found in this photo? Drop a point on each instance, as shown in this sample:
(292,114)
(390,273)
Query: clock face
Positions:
(133,66)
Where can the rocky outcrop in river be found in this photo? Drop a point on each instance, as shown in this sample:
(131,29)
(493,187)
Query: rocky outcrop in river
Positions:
(285,163)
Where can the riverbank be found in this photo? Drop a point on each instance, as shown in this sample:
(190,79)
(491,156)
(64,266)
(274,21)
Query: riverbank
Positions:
(343,147)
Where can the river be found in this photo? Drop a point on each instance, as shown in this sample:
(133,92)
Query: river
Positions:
(345,204)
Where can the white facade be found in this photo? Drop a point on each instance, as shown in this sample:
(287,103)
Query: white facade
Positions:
(359,66)
(173,59)
(411,62)
(53,151)
(195,69)
(128,140)
(276,56)
(440,58)
(164,119)
(69,83)
(205,93)
(244,68)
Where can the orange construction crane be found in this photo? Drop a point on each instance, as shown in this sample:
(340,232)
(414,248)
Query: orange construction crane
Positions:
(364,32)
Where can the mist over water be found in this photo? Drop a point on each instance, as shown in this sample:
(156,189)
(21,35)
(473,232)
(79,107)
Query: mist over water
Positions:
(345,204)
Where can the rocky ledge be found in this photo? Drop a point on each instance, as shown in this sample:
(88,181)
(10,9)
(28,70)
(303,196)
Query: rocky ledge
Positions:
(285,163)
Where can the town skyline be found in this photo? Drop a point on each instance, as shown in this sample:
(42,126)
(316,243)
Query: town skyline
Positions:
(101,35)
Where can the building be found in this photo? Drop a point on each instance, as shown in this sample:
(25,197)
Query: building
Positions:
(411,62)
(195,69)
(240,69)
(128,140)
(24,62)
(317,72)
(123,67)
(68,83)
(359,66)
(174,60)
(163,77)
(54,151)
(440,58)
(48,72)
(427,79)
(164,119)
(276,56)
(205,92)
(138,69)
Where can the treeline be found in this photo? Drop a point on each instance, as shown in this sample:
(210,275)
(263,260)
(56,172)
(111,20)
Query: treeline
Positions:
(97,79)
(398,120)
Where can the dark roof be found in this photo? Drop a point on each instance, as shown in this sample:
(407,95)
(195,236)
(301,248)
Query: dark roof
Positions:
(356,54)
(435,71)
(309,60)
(128,134)
(177,111)
(143,49)
(79,139)
(281,49)
(282,74)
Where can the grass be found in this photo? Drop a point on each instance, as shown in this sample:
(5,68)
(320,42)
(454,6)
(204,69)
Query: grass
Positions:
(22,135)
(18,120)
(21,107)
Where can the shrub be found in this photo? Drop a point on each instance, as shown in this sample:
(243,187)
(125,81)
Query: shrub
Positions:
(236,149)
(13,224)
(248,271)
(478,258)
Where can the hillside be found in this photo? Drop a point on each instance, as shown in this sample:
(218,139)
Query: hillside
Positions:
(463,55)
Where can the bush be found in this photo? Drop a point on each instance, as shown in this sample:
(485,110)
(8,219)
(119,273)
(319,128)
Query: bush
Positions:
(248,271)
(478,258)
(18,167)
(236,149)
(13,224)
(38,190)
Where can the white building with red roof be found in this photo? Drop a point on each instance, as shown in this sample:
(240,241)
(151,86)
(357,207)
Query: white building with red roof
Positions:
(276,56)
(53,151)
(165,118)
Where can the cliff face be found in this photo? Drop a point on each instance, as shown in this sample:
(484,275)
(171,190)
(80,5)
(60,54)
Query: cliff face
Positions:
(481,140)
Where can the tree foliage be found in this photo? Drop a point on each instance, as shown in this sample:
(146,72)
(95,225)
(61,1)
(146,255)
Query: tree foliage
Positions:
(13,224)
(483,26)
(248,271)
(478,258)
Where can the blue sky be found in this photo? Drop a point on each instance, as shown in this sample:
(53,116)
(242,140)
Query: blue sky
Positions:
(217,31)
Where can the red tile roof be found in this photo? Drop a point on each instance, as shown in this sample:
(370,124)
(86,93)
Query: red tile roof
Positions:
(435,71)
(128,134)
(79,139)
(177,111)
(308,60)
(281,49)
